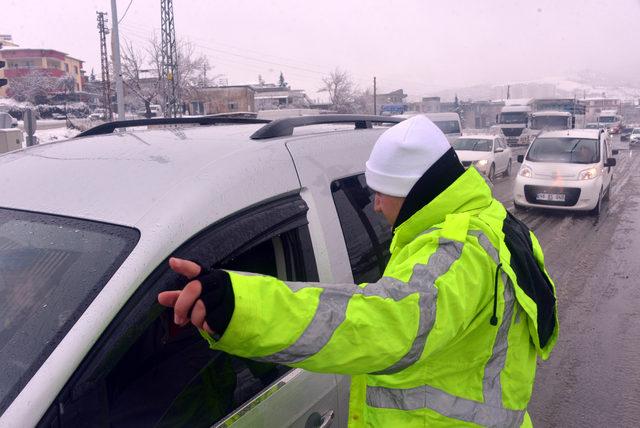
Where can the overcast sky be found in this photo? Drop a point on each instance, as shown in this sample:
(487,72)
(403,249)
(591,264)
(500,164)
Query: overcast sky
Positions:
(418,45)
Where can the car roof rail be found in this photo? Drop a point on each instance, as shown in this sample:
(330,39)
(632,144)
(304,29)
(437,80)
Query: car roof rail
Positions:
(109,127)
(284,127)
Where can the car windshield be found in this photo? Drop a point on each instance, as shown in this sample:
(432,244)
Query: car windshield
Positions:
(549,122)
(564,150)
(636,131)
(513,118)
(607,119)
(473,144)
(51,268)
(448,126)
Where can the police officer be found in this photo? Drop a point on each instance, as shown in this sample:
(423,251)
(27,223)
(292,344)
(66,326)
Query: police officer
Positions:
(449,336)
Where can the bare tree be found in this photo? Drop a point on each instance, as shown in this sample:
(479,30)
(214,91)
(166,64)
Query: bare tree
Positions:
(143,85)
(341,89)
(363,102)
(35,87)
(191,73)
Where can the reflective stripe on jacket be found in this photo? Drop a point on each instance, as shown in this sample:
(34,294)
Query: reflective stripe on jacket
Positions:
(420,343)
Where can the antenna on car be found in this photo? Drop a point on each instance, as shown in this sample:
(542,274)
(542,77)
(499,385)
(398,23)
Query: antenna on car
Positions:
(284,127)
(109,127)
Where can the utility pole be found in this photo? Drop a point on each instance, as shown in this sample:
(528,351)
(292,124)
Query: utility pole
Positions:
(169,60)
(115,49)
(104,64)
(375,89)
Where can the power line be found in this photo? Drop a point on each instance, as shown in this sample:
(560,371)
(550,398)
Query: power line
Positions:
(125,12)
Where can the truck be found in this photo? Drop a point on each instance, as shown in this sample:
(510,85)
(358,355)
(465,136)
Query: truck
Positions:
(550,109)
(611,120)
(513,122)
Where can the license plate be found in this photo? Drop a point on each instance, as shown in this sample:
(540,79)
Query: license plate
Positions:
(557,197)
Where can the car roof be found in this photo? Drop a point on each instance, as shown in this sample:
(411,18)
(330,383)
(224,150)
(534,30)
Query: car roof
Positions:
(479,136)
(443,116)
(551,113)
(572,133)
(118,178)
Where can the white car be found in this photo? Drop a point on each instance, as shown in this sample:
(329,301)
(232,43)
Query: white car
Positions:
(634,138)
(489,154)
(568,170)
(83,255)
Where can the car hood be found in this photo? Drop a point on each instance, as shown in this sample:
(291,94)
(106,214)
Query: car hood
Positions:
(469,155)
(552,170)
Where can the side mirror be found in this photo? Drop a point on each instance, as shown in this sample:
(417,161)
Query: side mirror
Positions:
(610,162)
(615,151)
(498,150)
(520,158)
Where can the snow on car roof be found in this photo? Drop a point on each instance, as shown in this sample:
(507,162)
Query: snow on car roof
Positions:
(572,133)
(120,177)
(551,113)
(478,136)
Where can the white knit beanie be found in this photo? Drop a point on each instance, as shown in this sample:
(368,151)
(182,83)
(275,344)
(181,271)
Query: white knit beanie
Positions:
(402,154)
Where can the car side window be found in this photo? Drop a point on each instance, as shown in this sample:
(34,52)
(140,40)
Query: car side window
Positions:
(366,233)
(151,372)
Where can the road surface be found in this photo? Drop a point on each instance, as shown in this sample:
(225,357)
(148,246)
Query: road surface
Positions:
(593,377)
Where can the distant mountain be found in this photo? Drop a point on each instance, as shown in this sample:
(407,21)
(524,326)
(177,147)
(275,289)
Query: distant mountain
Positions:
(583,84)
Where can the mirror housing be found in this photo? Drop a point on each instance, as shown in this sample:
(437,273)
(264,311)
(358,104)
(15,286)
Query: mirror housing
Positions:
(520,158)
(610,162)
(615,151)
(498,150)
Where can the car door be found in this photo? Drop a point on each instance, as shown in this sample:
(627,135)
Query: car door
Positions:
(607,152)
(497,155)
(146,371)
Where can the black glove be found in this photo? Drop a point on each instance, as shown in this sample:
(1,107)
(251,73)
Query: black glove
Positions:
(217,296)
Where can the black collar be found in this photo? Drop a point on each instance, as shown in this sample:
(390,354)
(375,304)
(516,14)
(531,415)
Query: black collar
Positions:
(434,181)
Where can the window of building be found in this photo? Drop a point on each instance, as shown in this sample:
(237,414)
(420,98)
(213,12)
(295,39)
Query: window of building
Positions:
(51,63)
(232,106)
(66,67)
(366,233)
(75,69)
(197,107)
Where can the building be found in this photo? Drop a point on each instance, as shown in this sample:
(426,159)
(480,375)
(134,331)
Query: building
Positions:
(47,62)
(480,114)
(273,97)
(7,41)
(222,99)
(595,105)
(393,99)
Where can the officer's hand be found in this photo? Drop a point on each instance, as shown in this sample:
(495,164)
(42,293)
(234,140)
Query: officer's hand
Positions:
(186,303)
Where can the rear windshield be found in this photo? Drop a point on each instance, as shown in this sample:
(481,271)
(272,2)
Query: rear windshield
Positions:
(51,268)
(564,150)
(607,119)
(473,144)
(448,126)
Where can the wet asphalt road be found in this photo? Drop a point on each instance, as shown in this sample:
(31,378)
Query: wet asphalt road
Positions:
(593,377)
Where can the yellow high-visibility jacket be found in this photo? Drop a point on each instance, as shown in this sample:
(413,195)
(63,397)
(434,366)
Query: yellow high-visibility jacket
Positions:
(447,337)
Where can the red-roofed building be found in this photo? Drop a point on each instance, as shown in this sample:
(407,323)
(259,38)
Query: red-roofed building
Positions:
(21,62)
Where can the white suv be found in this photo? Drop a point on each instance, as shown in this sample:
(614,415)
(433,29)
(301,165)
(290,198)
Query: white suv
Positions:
(569,170)
(489,154)
(634,137)
(87,226)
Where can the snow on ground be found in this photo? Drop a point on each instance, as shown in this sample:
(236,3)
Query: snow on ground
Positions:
(56,134)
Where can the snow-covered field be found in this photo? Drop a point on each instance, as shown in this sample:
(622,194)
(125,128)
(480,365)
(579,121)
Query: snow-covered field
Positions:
(56,134)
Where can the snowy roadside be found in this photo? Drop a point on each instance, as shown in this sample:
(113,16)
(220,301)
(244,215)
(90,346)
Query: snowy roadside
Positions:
(56,134)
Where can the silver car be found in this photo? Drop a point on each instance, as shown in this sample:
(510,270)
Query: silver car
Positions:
(87,226)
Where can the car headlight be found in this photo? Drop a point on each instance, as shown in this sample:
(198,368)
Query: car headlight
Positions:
(588,174)
(525,171)
(481,162)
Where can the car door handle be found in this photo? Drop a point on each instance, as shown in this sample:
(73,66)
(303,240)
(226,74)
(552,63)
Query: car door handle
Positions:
(327,419)
(320,421)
